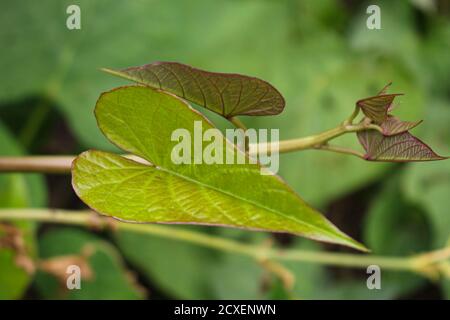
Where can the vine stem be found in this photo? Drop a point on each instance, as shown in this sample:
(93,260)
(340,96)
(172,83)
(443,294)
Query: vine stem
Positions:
(62,164)
(44,164)
(318,140)
(425,263)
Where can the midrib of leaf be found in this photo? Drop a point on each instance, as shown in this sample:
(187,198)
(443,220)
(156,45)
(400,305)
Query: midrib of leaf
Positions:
(146,153)
(242,199)
(147,168)
(126,76)
(142,82)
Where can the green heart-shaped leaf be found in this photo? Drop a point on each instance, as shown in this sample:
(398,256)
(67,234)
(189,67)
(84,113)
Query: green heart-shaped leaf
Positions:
(227,94)
(141,121)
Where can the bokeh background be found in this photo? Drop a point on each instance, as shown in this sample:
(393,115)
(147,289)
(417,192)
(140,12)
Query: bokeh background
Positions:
(319,54)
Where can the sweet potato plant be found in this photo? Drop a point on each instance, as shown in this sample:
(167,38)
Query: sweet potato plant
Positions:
(140,120)
(146,185)
(191,180)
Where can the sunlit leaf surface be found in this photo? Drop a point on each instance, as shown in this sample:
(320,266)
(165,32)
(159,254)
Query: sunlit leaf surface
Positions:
(228,94)
(141,121)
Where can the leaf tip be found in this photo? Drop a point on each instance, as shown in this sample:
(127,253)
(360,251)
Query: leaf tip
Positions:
(110,71)
(352,243)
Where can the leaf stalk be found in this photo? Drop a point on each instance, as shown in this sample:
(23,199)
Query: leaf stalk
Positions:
(238,123)
(319,140)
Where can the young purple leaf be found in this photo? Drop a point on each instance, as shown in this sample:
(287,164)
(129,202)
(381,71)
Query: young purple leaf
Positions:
(393,106)
(392,125)
(403,147)
(227,94)
(376,108)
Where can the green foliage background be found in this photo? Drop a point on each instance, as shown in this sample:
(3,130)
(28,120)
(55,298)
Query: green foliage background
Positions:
(319,54)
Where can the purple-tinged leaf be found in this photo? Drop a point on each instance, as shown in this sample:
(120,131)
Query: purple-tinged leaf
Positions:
(402,147)
(392,126)
(383,91)
(376,108)
(393,106)
(227,94)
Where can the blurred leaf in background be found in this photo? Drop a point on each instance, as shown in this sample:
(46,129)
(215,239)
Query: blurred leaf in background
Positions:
(178,269)
(187,271)
(395,227)
(429,186)
(109,279)
(17,190)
